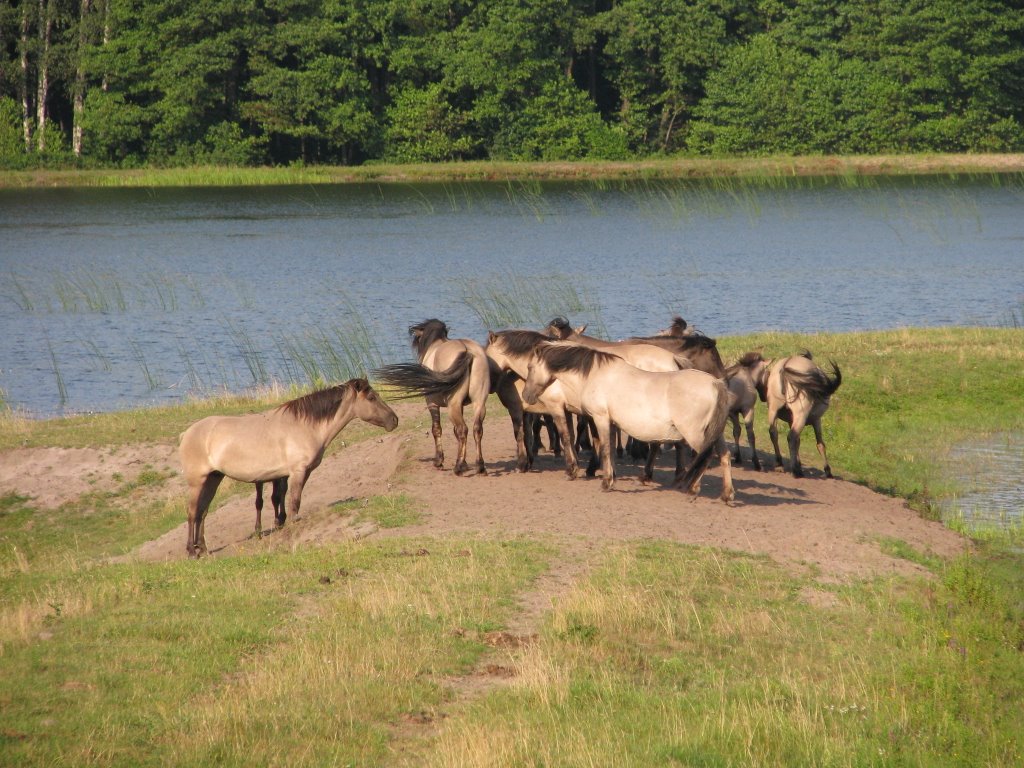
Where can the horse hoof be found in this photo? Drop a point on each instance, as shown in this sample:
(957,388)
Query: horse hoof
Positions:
(798,473)
(482,470)
(779,468)
(828,472)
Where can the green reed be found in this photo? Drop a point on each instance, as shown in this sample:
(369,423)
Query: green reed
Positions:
(509,300)
(62,390)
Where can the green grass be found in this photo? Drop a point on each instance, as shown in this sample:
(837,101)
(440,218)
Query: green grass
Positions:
(847,168)
(659,654)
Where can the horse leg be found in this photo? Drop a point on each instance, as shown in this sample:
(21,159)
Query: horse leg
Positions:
(652,455)
(794,445)
(816,423)
(603,443)
(583,434)
(259,508)
(295,483)
(554,439)
(748,420)
(277,497)
(522,423)
(773,433)
(618,441)
(735,419)
(595,445)
(201,493)
(479,412)
(563,428)
(728,491)
(435,430)
(461,436)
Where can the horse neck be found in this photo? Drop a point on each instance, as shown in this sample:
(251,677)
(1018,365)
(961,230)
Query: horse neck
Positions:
(330,429)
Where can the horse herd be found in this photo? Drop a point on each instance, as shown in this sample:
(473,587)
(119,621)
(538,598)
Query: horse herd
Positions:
(671,387)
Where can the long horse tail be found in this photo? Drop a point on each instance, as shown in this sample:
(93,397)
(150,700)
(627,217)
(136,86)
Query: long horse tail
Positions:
(712,432)
(816,383)
(417,379)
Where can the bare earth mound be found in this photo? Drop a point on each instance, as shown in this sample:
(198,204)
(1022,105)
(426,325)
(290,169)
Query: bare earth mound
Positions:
(831,526)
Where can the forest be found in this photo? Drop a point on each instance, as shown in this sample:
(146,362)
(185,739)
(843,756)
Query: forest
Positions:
(126,83)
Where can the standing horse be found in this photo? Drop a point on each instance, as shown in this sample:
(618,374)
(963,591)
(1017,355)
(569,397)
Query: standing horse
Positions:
(511,351)
(798,392)
(657,407)
(742,378)
(285,442)
(450,372)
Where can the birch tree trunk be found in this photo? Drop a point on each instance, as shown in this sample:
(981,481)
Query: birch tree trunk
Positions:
(79,97)
(45,27)
(26,105)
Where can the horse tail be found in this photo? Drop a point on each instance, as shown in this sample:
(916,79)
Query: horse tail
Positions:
(712,432)
(815,383)
(417,379)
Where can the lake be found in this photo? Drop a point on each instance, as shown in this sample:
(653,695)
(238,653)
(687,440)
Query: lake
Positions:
(127,297)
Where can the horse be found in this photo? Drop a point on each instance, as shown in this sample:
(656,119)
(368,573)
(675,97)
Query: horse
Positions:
(653,406)
(511,351)
(742,378)
(798,392)
(285,442)
(687,352)
(277,495)
(450,372)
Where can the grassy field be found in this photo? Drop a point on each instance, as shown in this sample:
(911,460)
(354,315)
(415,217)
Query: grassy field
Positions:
(666,168)
(359,653)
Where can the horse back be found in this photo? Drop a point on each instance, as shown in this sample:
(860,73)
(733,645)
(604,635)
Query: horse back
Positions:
(444,354)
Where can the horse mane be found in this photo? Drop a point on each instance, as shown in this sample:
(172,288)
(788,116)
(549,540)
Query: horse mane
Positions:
(573,357)
(695,339)
(321,405)
(519,343)
(426,333)
(749,360)
(678,326)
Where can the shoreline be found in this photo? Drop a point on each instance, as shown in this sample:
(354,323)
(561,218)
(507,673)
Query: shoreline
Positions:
(668,169)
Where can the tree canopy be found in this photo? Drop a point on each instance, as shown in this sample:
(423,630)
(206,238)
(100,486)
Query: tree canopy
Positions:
(175,82)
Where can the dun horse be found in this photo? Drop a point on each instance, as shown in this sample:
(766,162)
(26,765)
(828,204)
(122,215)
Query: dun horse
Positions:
(511,351)
(798,392)
(742,378)
(284,442)
(657,407)
(450,372)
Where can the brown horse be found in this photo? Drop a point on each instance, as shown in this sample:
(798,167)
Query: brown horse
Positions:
(450,372)
(284,442)
(675,406)
(742,378)
(511,351)
(798,392)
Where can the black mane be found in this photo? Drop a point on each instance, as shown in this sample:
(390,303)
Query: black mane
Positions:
(520,343)
(573,357)
(426,333)
(321,405)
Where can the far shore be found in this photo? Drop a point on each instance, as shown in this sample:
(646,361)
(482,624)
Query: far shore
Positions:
(753,169)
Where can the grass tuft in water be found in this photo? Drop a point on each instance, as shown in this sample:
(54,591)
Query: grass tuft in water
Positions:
(513,301)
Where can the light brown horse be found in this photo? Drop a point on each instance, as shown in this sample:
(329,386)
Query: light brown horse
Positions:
(449,373)
(648,357)
(285,442)
(742,378)
(798,392)
(511,351)
(657,407)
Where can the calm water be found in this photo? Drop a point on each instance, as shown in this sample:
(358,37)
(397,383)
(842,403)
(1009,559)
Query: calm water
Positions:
(116,298)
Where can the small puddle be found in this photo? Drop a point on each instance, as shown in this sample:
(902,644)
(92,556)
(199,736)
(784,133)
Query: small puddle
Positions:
(991,475)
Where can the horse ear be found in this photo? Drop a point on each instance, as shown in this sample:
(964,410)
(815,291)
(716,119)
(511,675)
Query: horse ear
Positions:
(491,336)
(581,329)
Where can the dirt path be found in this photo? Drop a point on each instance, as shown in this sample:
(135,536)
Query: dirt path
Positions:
(831,526)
